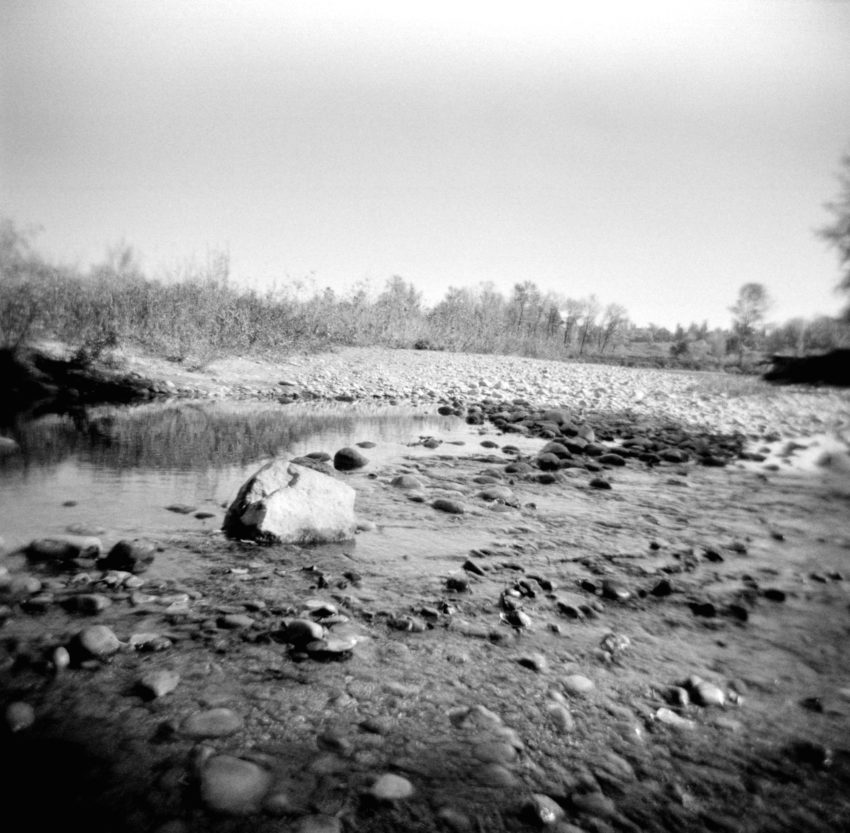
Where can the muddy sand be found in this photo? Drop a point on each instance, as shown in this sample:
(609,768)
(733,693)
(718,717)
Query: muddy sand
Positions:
(650,634)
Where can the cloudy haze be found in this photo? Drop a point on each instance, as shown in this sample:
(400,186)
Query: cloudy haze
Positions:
(658,154)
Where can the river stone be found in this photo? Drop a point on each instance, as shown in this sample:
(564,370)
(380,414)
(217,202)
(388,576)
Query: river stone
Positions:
(96,641)
(285,502)
(19,716)
(133,556)
(233,786)
(561,716)
(213,723)
(407,481)
(453,507)
(158,683)
(348,459)
(389,787)
(577,684)
(64,548)
(542,810)
(496,493)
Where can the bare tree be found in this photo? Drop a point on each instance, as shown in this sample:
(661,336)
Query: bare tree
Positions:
(748,311)
(591,311)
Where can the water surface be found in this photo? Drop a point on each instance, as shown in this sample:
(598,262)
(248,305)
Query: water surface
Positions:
(119,468)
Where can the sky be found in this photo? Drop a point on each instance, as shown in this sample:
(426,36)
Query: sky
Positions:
(656,153)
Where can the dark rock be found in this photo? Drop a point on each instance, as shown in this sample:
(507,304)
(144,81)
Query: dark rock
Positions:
(132,556)
(453,507)
(181,508)
(599,483)
(348,459)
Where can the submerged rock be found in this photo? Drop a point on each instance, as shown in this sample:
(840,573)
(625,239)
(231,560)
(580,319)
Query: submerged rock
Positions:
(133,556)
(285,502)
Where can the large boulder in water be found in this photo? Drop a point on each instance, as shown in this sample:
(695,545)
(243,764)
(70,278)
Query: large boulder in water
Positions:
(285,502)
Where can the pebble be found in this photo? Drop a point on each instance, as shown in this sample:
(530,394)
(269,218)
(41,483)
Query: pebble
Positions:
(705,693)
(390,787)
(134,556)
(453,507)
(232,621)
(561,716)
(233,786)
(158,683)
(599,483)
(213,723)
(19,716)
(670,718)
(495,752)
(96,641)
(577,684)
(542,810)
(536,662)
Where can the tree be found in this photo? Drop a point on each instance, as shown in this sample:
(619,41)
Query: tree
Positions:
(837,233)
(748,311)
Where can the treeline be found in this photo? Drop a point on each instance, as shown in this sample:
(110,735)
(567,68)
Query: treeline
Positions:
(196,314)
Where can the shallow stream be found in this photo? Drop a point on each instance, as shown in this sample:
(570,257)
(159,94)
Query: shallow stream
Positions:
(121,468)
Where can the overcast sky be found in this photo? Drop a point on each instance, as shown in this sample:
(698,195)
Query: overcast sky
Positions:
(658,153)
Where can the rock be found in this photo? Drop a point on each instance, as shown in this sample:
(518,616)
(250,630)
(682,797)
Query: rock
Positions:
(133,556)
(349,459)
(407,482)
(285,502)
(495,752)
(301,631)
(181,508)
(213,723)
(535,661)
(453,507)
(234,621)
(64,548)
(158,683)
(389,787)
(670,718)
(611,460)
(704,693)
(561,716)
(502,493)
(542,810)
(233,786)
(615,591)
(7,446)
(95,642)
(662,588)
(19,716)
(577,684)
(599,483)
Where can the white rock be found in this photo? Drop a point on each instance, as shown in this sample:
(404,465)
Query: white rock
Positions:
(288,503)
(233,786)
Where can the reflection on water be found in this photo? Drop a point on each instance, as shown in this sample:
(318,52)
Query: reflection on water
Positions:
(121,466)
